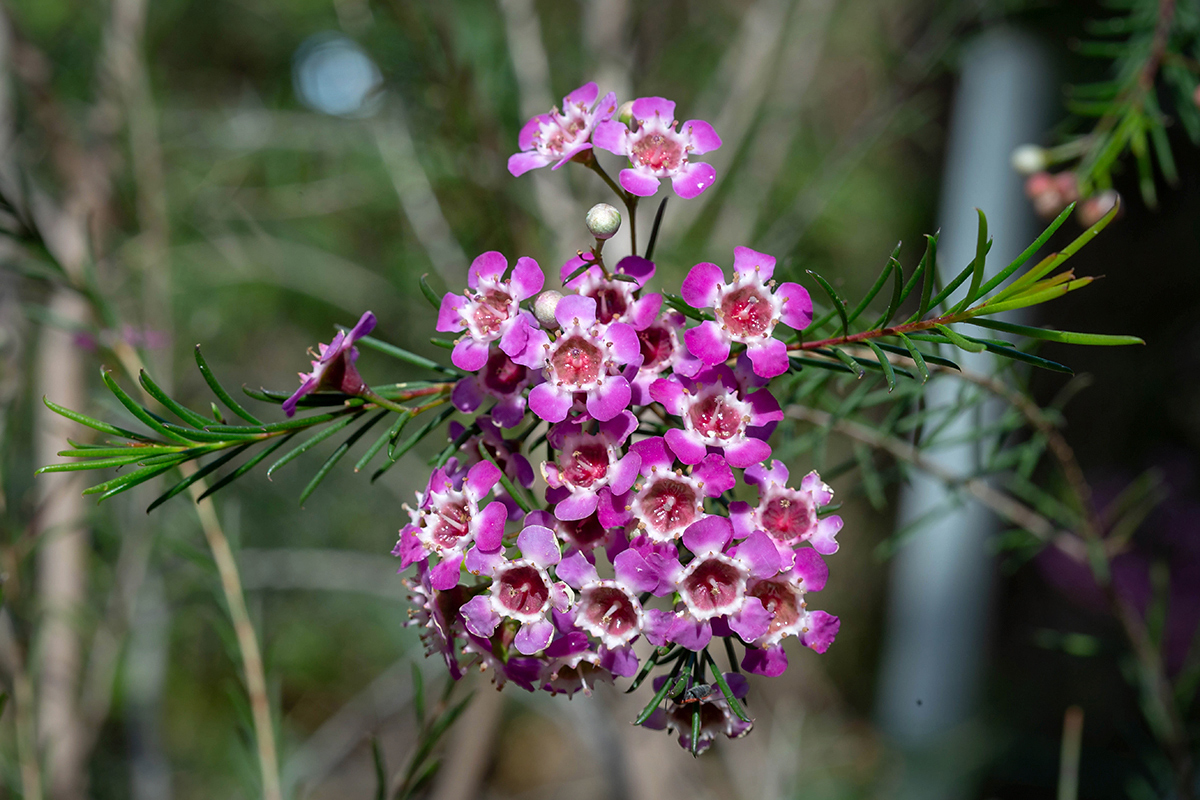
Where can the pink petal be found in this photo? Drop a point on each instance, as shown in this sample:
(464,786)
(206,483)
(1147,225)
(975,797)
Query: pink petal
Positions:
(636,267)
(571,153)
(520,163)
(689,634)
(572,266)
(606,107)
(699,288)
(365,324)
(610,399)
(533,637)
(647,107)
(469,354)
(527,278)
(764,408)
(575,309)
(409,547)
(758,552)
(752,621)
(618,428)
(612,511)
(703,137)
(822,628)
(687,446)
(749,262)
(707,342)
(446,574)
(809,570)
(769,357)
(645,311)
(813,484)
(622,474)
(529,130)
(638,183)
(654,453)
(481,562)
(797,305)
(750,451)
(625,345)
(622,662)
(449,318)
(549,403)
(466,395)
(539,545)
(762,477)
(657,626)
(534,354)
(634,573)
(670,393)
(576,506)
(576,570)
(486,265)
(823,541)
(509,412)
(489,525)
(612,136)
(481,478)
(715,474)
(742,517)
(708,536)
(515,337)
(770,662)
(693,179)
(481,619)
(585,95)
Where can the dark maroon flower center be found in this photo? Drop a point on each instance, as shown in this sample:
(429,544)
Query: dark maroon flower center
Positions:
(655,343)
(491,310)
(610,303)
(669,505)
(780,600)
(576,361)
(714,416)
(585,533)
(746,312)
(452,523)
(787,517)
(611,610)
(657,151)
(522,590)
(501,374)
(586,464)
(712,586)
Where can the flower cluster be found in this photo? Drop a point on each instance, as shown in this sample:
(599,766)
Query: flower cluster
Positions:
(632,553)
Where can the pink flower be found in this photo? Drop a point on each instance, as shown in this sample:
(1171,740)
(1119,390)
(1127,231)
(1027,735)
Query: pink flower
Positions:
(668,501)
(656,150)
(448,521)
(522,591)
(713,584)
(609,609)
(334,367)
(571,665)
(582,359)
(782,596)
(502,379)
(747,311)
(561,135)
(490,309)
(506,453)
(437,614)
(716,717)
(615,298)
(590,465)
(714,415)
(788,516)
(584,535)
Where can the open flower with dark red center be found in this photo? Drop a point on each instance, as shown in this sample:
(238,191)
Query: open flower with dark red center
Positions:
(584,535)
(448,520)
(523,591)
(493,654)
(715,415)
(747,311)
(609,608)
(668,500)
(559,136)
(490,310)
(589,465)
(713,584)
(583,359)
(783,596)
(334,365)
(716,717)
(656,150)
(501,379)
(504,452)
(436,613)
(789,516)
(615,297)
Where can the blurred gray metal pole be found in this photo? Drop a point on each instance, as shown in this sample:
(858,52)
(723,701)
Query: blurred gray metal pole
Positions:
(941,581)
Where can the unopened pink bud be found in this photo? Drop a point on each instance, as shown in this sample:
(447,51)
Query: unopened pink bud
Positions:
(1093,209)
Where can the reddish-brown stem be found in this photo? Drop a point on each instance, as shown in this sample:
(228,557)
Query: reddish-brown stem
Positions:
(908,327)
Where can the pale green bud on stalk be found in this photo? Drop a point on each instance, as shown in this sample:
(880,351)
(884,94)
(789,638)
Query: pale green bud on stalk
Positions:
(1029,158)
(603,221)
(625,112)
(544,307)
